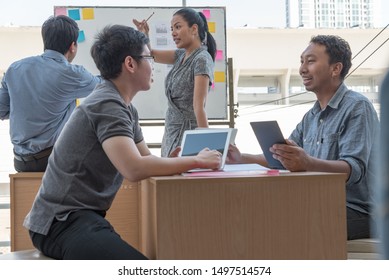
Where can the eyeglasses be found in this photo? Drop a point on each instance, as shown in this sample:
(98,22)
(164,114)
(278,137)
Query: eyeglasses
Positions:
(149,58)
(144,56)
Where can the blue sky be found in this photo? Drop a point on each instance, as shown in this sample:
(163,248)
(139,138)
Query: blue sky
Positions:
(254,13)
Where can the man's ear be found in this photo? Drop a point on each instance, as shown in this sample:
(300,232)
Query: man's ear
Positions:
(72,51)
(337,69)
(73,47)
(130,64)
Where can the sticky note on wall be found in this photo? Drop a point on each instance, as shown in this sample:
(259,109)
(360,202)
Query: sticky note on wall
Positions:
(220,77)
(81,36)
(74,14)
(219,55)
(211,27)
(61,11)
(207,14)
(88,13)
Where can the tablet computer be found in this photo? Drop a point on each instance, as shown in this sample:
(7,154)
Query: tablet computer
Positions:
(194,141)
(234,131)
(268,133)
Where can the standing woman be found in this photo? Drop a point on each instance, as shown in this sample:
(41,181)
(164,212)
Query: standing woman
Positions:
(188,82)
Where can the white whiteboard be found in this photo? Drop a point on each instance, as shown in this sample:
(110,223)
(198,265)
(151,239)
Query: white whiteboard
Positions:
(152,104)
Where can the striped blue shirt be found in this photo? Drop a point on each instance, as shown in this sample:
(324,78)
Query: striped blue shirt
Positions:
(345,130)
(37,95)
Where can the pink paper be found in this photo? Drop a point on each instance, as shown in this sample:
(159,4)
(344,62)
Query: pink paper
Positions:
(61,11)
(219,55)
(207,14)
(226,174)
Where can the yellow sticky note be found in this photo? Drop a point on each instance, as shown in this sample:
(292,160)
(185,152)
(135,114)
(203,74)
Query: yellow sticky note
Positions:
(88,13)
(220,77)
(212,27)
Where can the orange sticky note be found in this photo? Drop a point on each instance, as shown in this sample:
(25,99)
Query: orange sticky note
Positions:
(212,27)
(88,13)
(220,77)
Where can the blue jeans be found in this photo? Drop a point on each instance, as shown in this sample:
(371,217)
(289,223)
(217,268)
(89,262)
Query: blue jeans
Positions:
(85,235)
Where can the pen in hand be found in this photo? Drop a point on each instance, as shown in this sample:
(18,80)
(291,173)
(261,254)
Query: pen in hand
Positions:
(142,25)
(149,17)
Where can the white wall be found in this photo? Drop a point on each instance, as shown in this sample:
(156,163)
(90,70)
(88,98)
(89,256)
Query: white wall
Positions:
(17,43)
(267,51)
(261,50)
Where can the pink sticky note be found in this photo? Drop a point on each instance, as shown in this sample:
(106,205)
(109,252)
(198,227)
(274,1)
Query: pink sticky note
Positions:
(207,14)
(219,55)
(61,11)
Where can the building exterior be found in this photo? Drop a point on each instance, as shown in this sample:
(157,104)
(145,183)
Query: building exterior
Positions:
(265,60)
(332,13)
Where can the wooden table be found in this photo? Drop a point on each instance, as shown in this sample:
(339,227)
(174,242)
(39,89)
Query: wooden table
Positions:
(289,216)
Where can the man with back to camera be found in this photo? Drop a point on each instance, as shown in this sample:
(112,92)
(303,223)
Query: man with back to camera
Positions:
(336,135)
(39,93)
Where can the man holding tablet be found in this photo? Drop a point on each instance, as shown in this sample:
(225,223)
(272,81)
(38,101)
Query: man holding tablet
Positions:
(336,135)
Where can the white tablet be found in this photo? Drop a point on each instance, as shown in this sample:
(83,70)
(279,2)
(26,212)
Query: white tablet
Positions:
(196,140)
